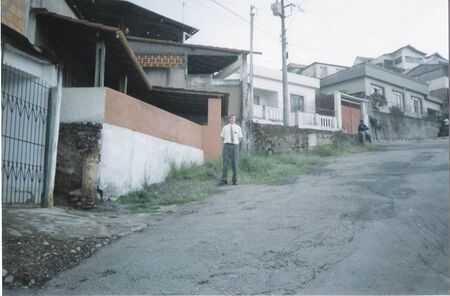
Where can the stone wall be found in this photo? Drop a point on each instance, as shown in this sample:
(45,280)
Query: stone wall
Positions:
(389,127)
(270,139)
(78,147)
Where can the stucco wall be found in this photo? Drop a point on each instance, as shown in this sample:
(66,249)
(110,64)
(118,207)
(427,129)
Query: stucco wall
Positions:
(83,104)
(43,70)
(392,127)
(211,140)
(138,141)
(352,86)
(130,158)
(234,98)
(266,97)
(432,105)
(270,80)
(388,92)
(128,112)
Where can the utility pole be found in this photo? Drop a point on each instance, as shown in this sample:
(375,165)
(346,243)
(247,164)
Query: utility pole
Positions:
(278,9)
(252,14)
(250,111)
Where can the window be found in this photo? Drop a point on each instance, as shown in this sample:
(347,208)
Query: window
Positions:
(398,99)
(376,89)
(415,60)
(398,60)
(297,103)
(256,100)
(388,63)
(323,71)
(417,107)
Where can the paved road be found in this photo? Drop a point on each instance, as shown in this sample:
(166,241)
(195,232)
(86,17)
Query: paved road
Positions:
(372,223)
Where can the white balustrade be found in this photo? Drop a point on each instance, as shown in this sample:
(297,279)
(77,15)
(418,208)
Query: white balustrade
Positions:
(316,121)
(299,119)
(258,111)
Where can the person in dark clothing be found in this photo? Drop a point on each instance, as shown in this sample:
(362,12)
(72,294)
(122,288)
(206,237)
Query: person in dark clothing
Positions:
(363,131)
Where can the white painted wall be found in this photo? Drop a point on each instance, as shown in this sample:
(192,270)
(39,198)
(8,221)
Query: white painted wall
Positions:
(388,92)
(45,71)
(266,97)
(438,83)
(83,104)
(351,86)
(269,81)
(408,52)
(432,105)
(130,158)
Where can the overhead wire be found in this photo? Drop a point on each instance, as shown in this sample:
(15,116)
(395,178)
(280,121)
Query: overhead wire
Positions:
(245,20)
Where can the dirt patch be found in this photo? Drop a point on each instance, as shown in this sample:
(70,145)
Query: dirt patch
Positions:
(32,261)
(40,243)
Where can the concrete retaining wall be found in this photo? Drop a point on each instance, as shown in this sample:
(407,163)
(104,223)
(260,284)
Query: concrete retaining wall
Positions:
(388,127)
(135,142)
(130,158)
(275,139)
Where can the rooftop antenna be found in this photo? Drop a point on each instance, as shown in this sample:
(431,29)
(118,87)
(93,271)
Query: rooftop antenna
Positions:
(182,12)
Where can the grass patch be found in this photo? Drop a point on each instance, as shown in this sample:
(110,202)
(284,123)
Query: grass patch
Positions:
(187,183)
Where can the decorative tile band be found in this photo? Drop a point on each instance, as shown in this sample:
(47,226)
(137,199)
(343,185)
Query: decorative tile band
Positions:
(160,61)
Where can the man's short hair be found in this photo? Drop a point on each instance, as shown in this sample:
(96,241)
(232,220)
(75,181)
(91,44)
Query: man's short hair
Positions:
(231,115)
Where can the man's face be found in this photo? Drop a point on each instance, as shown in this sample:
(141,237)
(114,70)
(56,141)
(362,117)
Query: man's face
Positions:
(232,119)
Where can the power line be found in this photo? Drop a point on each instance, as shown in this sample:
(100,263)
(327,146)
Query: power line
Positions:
(245,20)
(229,10)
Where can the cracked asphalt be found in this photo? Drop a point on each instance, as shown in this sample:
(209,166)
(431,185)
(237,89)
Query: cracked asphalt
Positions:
(369,223)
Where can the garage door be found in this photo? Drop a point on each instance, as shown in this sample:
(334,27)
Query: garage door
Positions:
(351,115)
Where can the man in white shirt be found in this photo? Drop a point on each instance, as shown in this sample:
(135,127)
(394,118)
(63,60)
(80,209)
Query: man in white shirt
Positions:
(232,136)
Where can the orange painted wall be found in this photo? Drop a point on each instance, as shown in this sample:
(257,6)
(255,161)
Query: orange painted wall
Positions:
(211,141)
(125,111)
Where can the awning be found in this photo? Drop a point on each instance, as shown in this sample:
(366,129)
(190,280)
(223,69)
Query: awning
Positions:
(75,40)
(188,103)
(22,43)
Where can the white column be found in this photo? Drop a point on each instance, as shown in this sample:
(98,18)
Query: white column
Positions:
(338,109)
(100,50)
(364,114)
(54,109)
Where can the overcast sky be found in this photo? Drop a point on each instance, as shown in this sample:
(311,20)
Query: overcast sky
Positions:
(330,31)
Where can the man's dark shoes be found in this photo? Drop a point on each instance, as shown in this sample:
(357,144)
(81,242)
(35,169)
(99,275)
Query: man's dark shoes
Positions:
(223,182)
(234,182)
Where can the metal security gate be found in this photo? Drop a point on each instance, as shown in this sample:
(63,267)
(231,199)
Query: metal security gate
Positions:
(25,102)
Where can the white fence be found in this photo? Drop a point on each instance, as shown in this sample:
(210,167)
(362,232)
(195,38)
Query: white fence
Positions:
(268,113)
(272,115)
(316,121)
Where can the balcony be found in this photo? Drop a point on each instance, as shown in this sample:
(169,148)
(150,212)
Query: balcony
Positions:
(270,115)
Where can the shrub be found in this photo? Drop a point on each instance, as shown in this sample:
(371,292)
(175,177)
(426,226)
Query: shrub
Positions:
(396,110)
(378,100)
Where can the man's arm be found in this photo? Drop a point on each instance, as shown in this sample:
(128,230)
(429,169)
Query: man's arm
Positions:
(222,133)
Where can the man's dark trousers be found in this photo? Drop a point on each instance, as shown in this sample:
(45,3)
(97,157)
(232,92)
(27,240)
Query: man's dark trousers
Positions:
(230,153)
